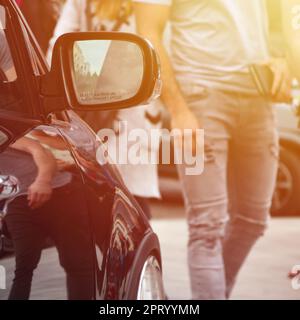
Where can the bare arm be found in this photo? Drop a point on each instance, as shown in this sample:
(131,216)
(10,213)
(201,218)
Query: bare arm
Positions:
(291,26)
(40,191)
(43,158)
(54,142)
(151,21)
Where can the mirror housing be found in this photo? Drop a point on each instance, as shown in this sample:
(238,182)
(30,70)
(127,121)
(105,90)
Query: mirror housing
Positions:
(61,82)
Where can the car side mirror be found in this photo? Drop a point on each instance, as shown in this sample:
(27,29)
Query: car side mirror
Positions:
(104,70)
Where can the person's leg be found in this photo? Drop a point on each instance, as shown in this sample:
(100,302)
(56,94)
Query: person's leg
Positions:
(254,164)
(28,240)
(206,198)
(70,229)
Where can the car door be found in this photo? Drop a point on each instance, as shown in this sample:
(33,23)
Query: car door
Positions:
(51,252)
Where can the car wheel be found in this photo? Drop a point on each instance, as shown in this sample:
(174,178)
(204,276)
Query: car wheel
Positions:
(150,282)
(286,199)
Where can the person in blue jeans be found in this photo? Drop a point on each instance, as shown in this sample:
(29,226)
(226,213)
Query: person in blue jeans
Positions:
(207,84)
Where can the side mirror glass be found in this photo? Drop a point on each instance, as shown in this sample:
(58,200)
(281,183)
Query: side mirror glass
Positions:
(105,70)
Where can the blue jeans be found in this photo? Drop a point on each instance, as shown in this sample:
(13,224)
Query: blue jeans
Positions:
(228,204)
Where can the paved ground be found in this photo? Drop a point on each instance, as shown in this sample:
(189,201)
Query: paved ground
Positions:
(263,277)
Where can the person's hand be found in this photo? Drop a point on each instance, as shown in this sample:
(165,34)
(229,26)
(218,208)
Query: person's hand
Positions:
(39,193)
(282,83)
(186,120)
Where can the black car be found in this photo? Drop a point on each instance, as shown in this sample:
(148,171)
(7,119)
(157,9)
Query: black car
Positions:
(104,247)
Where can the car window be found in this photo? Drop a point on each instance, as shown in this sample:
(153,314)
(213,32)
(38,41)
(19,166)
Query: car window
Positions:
(38,68)
(7,67)
(10,86)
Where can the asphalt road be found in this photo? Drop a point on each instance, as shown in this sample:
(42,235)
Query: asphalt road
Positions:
(48,281)
(263,277)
